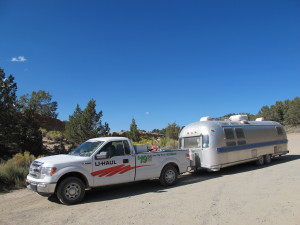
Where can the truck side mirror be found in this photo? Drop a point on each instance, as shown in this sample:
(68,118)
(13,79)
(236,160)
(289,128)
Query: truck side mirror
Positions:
(102,155)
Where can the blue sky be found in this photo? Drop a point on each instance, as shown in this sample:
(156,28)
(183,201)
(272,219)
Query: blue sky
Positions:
(157,61)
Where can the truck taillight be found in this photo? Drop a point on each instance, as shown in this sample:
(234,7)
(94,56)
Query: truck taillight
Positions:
(187,156)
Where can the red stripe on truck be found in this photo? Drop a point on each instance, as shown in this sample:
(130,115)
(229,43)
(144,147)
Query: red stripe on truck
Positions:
(114,170)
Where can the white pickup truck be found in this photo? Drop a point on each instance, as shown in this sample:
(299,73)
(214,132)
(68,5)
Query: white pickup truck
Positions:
(103,161)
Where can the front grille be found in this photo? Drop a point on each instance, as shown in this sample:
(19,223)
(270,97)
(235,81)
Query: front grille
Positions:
(35,169)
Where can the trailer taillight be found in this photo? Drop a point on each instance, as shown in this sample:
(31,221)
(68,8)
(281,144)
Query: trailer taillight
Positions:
(187,156)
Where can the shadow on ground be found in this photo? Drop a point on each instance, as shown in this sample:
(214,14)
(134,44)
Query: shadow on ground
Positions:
(141,187)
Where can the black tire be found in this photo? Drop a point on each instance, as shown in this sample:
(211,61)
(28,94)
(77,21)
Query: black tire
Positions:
(168,175)
(260,161)
(268,159)
(70,191)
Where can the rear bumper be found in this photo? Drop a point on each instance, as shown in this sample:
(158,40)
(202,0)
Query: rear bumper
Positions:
(281,153)
(41,187)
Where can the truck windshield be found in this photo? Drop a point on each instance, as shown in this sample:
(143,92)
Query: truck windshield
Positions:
(87,148)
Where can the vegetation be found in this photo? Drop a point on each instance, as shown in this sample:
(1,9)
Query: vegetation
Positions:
(172,131)
(13,172)
(169,143)
(286,112)
(55,135)
(39,102)
(169,138)
(250,116)
(30,137)
(8,113)
(19,131)
(43,131)
(85,124)
(134,133)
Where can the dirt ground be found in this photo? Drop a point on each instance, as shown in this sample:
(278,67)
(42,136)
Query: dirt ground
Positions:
(243,194)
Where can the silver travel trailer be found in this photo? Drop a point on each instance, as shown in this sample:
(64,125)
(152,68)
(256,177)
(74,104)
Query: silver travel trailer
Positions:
(217,144)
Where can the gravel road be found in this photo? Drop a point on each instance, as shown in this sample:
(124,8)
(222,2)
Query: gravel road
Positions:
(243,194)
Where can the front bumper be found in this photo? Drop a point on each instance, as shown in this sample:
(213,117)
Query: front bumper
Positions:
(41,187)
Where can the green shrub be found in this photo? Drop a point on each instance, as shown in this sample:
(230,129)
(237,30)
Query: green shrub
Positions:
(146,141)
(168,143)
(43,131)
(13,172)
(55,135)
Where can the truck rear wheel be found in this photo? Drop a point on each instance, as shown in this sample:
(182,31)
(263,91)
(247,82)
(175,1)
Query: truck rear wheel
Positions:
(70,191)
(168,176)
(260,161)
(268,159)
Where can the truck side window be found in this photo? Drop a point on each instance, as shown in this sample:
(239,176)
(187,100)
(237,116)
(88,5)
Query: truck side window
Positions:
(126,146)
(114,148)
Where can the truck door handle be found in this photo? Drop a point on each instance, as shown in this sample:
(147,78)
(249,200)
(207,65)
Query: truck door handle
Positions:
(125,161)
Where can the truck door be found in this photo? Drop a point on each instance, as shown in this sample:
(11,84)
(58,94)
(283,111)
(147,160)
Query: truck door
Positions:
(117,167)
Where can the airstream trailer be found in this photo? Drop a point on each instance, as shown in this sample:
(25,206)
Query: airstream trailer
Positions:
(217,144)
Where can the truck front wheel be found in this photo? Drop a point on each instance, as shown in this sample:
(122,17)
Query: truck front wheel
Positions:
(70,191)
(168,176)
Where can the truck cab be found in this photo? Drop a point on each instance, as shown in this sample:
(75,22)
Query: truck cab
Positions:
(100,162)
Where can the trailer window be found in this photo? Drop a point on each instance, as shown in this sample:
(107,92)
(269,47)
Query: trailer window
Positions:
(239,133)
(205,141)
(192,142)
(279,131)
(230,143)
(241,142)
(229,133)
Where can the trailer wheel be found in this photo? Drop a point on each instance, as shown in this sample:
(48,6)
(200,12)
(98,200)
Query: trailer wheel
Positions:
(260,161)
(168,176)
(70,191)
(268,159)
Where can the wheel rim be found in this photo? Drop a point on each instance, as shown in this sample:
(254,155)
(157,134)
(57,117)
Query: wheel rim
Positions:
(170,176)
(261,160)
(72,191)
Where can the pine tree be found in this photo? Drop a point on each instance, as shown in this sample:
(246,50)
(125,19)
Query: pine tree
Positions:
(8,113)
(172,131)
(39,102)
(30,137)
(265,112)
(292,116)
(19,131)
(85,124)
(133,132)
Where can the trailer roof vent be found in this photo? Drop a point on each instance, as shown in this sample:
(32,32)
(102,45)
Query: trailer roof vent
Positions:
(244,122)
(238,118)
(206,118)
(260,119)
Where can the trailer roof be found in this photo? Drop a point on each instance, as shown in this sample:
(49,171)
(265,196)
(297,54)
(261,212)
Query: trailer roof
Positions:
(213,124)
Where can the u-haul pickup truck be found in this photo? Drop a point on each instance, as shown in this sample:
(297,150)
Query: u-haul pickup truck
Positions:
(103,161)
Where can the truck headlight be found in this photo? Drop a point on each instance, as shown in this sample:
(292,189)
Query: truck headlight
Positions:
(47,171)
